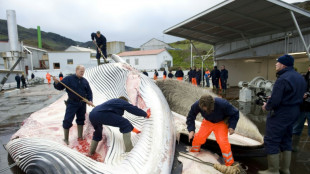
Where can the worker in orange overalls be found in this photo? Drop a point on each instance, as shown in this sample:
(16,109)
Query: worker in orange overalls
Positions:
(193,75)
(48,77)
(214,111)
(164,74)
(61,76)
(155,74)
(179,74)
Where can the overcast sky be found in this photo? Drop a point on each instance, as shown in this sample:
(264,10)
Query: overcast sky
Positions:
(131,21)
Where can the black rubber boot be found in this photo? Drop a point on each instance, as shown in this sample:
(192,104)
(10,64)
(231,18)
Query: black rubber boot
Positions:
(295,143)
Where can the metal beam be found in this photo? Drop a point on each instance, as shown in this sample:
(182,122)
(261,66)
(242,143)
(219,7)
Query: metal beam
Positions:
(253,19)
(5,78)
(300,34)
(192,38)
(222,26)
(201,32)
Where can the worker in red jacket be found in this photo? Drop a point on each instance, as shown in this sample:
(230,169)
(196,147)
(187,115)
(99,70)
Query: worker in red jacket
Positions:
(214,111)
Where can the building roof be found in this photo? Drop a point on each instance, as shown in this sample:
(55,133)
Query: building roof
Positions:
(154,39)
(33,48)
(141,53)
(77,48)
(234,20)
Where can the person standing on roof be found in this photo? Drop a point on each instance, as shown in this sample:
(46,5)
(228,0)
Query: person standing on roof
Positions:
(214,111)
(75,105)
(102,45)
(110,113)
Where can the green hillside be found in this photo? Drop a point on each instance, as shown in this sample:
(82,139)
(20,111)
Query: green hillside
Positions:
(182,54)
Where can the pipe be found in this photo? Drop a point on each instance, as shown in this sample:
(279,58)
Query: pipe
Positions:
(39,37)
(12,30)
(30,57)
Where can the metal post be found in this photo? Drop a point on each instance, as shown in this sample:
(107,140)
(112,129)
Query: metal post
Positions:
(191,53)
(5,78)
(300,34)
(39,37)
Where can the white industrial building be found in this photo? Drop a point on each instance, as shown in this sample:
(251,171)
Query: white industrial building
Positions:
(155,44)
(148,59)
(115,47)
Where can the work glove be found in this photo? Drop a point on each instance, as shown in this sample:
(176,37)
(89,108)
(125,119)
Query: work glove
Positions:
(136,130)
(148,112)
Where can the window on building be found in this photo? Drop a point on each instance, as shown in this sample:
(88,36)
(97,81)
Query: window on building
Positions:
(56,65)
(70,61)
(136,61)
(128,61)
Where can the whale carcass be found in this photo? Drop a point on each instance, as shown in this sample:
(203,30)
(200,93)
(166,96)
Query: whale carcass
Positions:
(38,146)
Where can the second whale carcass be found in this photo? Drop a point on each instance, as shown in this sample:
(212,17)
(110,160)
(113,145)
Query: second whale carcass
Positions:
(38,147)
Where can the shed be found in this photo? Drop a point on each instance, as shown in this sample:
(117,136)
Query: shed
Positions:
(248,36)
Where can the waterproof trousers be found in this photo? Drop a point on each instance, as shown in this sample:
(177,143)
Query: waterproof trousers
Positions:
(180,78)
(194,82)
(220,130)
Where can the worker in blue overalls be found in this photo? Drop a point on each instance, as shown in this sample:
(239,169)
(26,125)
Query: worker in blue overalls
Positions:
(102,45)
(75,105)
(284,107)
(111,113)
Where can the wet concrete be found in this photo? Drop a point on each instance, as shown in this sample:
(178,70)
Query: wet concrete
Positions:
(17,108)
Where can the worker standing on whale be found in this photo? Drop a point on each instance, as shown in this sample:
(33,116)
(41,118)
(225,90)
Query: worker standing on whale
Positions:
(111,113)
(75,105)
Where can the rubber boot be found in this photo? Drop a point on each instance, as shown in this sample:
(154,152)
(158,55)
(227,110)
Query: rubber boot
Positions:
(273,165)
(98,62)
(66,135)
(93,147)
(295,143)
(80,132)
(285,162)
(127,141)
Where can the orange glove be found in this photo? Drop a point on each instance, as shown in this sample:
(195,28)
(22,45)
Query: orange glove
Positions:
(148,113)
(136,130)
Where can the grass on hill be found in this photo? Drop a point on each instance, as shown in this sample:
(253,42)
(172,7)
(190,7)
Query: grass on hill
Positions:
(182,54)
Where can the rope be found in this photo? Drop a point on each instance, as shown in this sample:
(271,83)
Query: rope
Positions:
(236,168)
